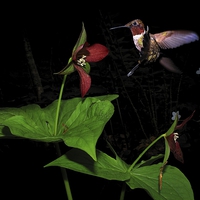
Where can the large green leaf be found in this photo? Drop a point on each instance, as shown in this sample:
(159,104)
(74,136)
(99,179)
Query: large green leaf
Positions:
(105,166)
(86,123)
(28,122)
(80,122)
(174,183)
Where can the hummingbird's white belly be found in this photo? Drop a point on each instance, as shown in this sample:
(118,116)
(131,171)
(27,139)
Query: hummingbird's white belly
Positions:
(138,41)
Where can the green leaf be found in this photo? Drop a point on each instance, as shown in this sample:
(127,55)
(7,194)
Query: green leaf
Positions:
(173,126)
(82,38)
(109,97)
(167,151)
(68,69)
(149,161)
(28,122)
(169,132)
(105,167)
(174,183)
(80,123)
(86,124)
(86,67)
(120,162)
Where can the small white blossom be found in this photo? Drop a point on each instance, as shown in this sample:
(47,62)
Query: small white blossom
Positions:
(174,115)
(198,71)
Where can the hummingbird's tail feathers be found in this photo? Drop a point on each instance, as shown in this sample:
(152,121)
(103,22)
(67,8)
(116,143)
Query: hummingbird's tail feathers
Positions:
(133,70)
(168,64)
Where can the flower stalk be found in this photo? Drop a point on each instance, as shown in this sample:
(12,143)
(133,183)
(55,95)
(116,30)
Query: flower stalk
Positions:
(58,105)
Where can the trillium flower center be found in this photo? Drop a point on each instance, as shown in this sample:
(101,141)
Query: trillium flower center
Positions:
(175,137)
(81,61)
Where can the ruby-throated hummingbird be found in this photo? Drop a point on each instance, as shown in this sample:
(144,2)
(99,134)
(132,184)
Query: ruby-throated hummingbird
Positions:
(149,45)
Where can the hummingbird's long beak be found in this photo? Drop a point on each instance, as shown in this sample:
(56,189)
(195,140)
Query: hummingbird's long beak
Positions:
(118,27)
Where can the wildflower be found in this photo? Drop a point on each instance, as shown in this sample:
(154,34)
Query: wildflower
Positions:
(84,54)
(198,71)
(174,115)
(172,140)
(175,147)
(81,57)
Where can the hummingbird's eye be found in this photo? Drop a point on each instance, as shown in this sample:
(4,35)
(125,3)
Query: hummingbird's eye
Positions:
(134,23)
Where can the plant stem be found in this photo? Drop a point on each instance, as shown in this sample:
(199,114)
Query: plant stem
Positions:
(64,175)
(123,191)
(145,150)
(63,170)
(58,105)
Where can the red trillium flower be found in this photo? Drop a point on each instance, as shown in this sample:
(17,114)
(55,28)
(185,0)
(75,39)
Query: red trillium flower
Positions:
(84,54)
(174,144)
(81,57)
(175,147)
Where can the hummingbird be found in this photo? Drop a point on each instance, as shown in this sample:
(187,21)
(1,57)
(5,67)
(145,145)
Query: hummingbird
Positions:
(149,45)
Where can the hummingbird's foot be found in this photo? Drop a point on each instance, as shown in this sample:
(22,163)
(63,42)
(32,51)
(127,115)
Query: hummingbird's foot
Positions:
(133,70)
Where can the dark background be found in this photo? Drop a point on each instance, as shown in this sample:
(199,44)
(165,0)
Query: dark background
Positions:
(53,31)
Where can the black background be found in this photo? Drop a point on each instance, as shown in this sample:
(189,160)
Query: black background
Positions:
(55,28)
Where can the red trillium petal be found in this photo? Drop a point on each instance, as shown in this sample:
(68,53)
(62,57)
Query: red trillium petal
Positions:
(97,52)
(175,148)
(178,153)
(171,142)
(85,80)
(184,121)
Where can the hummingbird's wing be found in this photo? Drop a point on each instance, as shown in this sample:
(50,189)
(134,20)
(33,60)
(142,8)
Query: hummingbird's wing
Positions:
(176,38)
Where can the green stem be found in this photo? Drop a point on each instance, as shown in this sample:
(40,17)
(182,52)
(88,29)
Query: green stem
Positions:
(122,195)
(58,105)
(63,170)
(64,175)
(145,150)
